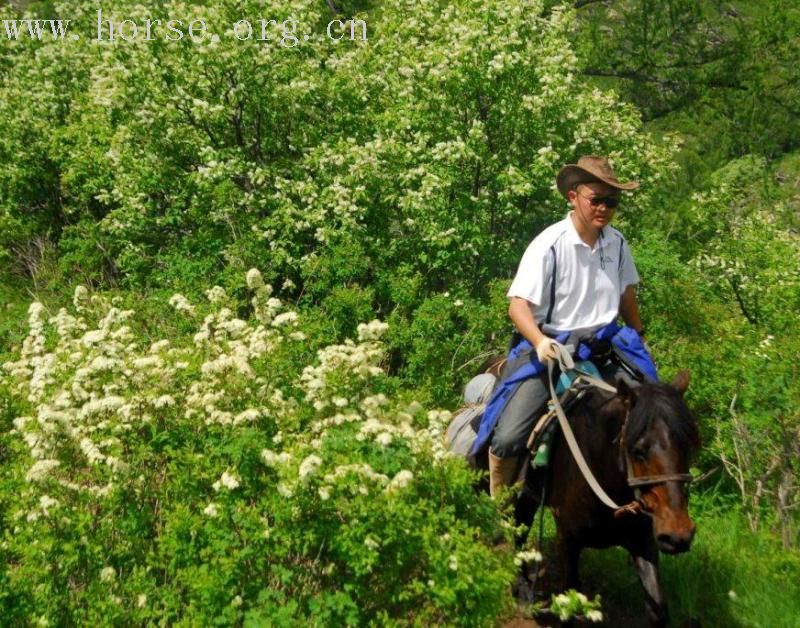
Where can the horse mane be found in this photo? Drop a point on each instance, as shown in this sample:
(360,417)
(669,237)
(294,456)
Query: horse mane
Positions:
(662,402)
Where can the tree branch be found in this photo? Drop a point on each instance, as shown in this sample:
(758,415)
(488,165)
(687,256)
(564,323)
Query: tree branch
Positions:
(582,3)
(753,320)
(643,78)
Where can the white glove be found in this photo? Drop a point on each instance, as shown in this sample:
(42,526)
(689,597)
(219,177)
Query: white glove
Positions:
(546,350)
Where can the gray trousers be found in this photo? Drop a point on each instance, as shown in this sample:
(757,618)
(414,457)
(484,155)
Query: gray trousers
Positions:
(527,404)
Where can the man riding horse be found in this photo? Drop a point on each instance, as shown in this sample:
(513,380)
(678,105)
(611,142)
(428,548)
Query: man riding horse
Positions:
(575,279)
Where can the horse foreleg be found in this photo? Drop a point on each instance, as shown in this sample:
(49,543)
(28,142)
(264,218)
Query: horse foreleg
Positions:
(570,552)
(524,513)
(646,563)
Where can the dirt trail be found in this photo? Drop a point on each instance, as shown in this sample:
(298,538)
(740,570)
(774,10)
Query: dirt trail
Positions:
(549,582)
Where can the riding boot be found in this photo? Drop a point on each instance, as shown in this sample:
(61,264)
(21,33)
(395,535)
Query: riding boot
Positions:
(502,472)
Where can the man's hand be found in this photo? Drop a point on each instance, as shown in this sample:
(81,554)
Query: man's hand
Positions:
(546,350)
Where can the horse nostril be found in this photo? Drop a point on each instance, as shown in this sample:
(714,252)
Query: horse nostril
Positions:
(668,543)
(675,543)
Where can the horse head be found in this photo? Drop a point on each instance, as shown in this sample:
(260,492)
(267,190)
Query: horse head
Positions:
(658,440)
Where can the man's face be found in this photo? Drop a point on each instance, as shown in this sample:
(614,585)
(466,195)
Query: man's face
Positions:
(590,201)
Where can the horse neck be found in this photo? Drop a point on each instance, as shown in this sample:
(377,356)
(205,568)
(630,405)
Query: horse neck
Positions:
(599,431)
(597,434)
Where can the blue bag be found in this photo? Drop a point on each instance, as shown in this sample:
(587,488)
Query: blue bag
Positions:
(630,348)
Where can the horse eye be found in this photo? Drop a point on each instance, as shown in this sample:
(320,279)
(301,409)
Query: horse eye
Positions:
(639,454)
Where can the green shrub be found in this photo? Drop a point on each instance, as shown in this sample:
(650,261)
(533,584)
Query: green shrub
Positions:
(212,478)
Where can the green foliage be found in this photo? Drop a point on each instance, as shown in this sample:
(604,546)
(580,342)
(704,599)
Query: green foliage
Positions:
(398,178)
(444,342)
(745,249)
(159,161)
(343,307)
(721,73)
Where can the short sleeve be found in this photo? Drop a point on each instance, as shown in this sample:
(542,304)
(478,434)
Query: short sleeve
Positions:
(533,274)
(628,275)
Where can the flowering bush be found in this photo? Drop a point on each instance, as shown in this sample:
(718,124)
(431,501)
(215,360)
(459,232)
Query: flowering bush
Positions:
(438,156)
(211,477)
(361,177)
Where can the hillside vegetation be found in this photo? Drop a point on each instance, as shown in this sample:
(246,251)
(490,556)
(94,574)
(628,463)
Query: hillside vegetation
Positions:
(243,284)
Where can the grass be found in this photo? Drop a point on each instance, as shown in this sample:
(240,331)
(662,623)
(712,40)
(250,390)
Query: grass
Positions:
(733,577)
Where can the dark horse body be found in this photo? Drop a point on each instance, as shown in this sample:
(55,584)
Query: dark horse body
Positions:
(646,431)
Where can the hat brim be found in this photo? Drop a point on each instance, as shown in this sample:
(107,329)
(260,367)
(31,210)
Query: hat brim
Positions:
(572,174)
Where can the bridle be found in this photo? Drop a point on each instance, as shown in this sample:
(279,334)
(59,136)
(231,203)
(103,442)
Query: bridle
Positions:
(638,505)
(636,482)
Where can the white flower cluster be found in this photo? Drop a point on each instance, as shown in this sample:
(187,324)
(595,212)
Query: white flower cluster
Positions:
(372,331)
(361,470)
(359,361)
(265,306)
(438,421)
(400,480)
(90,387)
(272,459)
(382,431)
(764,347)
(80,298)
(216,295)
(95,386)
(40,470)
(528,556)
(356,478)
(181,304)
(594,616)
(309,466)
(227,480)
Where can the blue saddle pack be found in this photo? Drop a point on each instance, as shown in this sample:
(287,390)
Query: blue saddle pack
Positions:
(625,341)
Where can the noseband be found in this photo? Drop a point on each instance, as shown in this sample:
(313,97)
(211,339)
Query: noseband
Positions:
(649,480)
(638,505)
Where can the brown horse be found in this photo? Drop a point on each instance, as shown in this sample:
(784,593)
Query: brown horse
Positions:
(638,444)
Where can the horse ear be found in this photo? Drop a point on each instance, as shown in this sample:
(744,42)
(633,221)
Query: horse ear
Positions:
(681,381)
(626,393)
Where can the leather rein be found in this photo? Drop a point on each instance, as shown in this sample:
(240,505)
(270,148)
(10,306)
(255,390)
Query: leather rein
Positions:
(637,506)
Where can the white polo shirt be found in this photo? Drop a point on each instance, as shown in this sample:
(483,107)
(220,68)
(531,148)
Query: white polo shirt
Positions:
(588,281)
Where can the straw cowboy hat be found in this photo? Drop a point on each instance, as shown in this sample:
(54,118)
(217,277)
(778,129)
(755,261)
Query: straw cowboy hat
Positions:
(588,169)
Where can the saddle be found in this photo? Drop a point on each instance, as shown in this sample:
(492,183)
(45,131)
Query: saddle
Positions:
(540,442)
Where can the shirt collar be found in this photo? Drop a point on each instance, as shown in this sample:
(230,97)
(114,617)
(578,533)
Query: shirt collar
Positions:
(572,233)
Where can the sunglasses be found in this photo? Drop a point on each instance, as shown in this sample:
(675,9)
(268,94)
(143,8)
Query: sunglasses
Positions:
(609,201)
